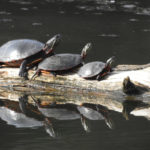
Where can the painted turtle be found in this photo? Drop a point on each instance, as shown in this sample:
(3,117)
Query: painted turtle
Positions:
(96,69)
(62,62)
(26,52)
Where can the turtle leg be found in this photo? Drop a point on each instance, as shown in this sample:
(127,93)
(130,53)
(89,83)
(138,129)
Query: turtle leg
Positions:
(53,73)
(37,73)
(98,77)
(23,69)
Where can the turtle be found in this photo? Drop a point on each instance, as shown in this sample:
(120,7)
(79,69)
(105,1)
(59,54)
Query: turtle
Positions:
(26,52)
(62,62)
(95,69)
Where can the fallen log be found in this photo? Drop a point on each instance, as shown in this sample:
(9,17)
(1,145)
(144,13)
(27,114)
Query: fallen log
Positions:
(108,88)
(140,74)
(70,88)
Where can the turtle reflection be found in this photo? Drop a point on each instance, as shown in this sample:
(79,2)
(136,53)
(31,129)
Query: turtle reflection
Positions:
(25,108)
(71,111)
(56,111)
(11,113)
(24,115)
(95,112)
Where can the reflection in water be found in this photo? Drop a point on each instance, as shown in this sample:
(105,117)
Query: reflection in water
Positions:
(25,115)
(67,122)
(95,112)
(130,105)
(72,111)
(60,111)
(11,113)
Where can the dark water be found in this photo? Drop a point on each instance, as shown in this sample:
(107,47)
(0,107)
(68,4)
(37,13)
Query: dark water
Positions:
(59,126)
(120,28)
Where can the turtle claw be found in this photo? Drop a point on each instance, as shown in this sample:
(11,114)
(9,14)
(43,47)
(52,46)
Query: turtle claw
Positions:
(98,77)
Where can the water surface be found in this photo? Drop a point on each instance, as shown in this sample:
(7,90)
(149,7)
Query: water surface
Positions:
(118,28)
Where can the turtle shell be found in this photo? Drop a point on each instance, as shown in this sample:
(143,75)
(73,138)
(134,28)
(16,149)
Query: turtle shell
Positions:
(60,62)
(19,49)
(91,69)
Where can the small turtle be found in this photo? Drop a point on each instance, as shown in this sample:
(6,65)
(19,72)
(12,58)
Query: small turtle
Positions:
(26,52)
(96,69)
(62,62)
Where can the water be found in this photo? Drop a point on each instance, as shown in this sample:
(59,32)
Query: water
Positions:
(118,28)
(59,126)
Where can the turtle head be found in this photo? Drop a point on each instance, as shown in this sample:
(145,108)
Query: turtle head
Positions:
(52,43)
(110,61)
(86,48)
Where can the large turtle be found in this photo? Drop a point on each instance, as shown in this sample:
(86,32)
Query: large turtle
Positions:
(95,69)
(26,52)
(62,62)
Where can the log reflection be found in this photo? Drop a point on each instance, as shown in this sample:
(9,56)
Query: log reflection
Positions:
(23,114)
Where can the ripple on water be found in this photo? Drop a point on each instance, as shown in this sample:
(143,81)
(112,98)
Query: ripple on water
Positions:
(22,2)
(6,20)
(5,13)
(129,6)
(36,23)
(133,20)
(24,9)
(34,7)
(146,30)
(61,12)
(143,11)
(108,35)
